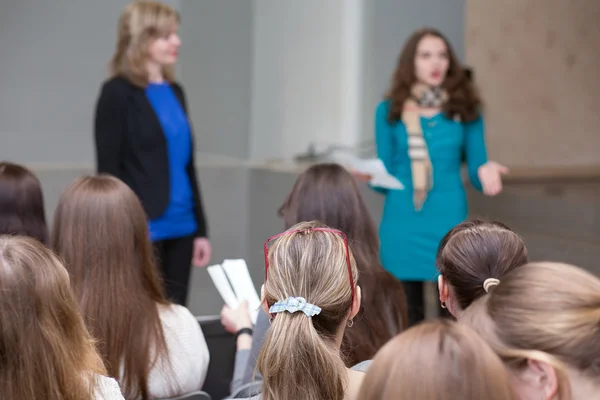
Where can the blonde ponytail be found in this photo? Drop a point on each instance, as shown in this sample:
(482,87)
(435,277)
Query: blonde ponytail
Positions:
(300,357)
(297,363)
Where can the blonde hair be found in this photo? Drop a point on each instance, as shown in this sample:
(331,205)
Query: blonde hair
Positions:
(438,360)
(300,358)
(140,23)
(45,350)
(548,312)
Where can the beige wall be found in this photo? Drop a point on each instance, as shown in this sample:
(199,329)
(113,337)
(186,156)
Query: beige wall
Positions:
(537,64)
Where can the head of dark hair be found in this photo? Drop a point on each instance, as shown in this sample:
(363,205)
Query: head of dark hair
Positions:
(474,251)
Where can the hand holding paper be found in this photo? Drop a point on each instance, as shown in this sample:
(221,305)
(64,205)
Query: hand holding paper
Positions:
(232,280)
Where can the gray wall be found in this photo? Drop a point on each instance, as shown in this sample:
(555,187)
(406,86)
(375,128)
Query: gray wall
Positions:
(216,71)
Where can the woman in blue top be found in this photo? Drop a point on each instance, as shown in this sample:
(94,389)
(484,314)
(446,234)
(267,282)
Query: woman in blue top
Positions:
(427,126)
(143,137)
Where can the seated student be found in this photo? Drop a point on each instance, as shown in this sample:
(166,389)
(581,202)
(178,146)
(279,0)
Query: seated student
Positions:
(543,320)
(311,296)
(45,350)
(437,360)
(21,203)
(328,193)
(154,348)
(472,258)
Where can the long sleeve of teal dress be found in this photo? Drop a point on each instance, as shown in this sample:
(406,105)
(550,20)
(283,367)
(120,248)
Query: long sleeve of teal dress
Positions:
(475,150)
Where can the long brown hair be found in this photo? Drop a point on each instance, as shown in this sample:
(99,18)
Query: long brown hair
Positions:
(549,312)
(463,98)
(438,360)
(140,23)
(328,193)
(46,351)
(299,358)
(474,251)
(100,230)
(21,203)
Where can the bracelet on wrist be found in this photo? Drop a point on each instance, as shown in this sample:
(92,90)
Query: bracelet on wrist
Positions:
(244,331)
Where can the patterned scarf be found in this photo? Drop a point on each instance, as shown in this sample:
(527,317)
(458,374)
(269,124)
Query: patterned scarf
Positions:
(422,96)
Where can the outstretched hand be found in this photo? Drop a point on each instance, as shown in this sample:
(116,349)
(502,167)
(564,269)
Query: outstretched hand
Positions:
(490,175)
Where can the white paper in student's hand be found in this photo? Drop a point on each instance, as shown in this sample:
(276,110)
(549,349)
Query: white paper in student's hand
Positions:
(217,274)
(239,276)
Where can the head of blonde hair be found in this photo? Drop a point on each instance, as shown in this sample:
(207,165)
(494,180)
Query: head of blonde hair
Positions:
(438,360)
(545,312)
(45,350)
(300,358)
(140,23)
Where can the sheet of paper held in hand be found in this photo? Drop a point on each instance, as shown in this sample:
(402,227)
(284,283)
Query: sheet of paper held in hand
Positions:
(373,167)
(232,280)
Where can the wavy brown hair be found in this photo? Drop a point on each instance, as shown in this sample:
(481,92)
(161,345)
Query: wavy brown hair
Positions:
(328,193)
(437,360)
(140,23)
(21,203)
(463,97)
(474,251)
(46,351)
(300,357)
(100,230)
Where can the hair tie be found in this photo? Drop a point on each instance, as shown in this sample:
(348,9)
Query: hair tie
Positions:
(489,283)
(294,304)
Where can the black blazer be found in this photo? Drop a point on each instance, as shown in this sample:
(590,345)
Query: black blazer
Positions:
(131,146)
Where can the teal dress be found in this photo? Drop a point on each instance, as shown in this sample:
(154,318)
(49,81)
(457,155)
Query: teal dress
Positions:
(409,238)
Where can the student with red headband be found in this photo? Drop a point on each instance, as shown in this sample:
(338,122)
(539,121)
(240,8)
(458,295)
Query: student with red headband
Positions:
(311,297)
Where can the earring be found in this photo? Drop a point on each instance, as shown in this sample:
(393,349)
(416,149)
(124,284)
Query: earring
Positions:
(270,320)
(350,323)
(443,304)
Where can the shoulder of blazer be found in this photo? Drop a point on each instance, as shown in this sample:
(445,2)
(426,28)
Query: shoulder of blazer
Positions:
(119,85)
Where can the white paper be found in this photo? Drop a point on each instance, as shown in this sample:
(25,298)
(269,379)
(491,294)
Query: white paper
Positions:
(217,274)
(373,167)
(239,276)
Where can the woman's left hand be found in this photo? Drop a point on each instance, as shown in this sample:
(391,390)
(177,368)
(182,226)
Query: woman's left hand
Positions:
(202,252)
(490,175)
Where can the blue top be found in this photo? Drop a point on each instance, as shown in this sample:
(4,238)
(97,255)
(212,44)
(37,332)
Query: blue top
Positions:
(409,238)
(178,219)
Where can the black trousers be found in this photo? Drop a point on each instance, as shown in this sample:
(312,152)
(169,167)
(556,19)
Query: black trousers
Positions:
(175,263)
(415,299)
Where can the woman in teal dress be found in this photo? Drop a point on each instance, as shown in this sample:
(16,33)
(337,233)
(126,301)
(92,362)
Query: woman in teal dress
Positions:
(428,125)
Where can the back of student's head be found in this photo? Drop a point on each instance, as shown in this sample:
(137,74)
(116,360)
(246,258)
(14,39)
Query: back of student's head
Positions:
(328,193)
(45,350)
(475,255)
(21,203)
(300,356)
(543,319)
(100,231)
(438,360)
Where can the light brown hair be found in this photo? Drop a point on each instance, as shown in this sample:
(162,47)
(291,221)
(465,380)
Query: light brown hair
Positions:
(329,194)
(474,251)
(463,98)
(45,350)
(549,312)
(438,360)
(100,230)
(140,23)
(300,358)
(21,203)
